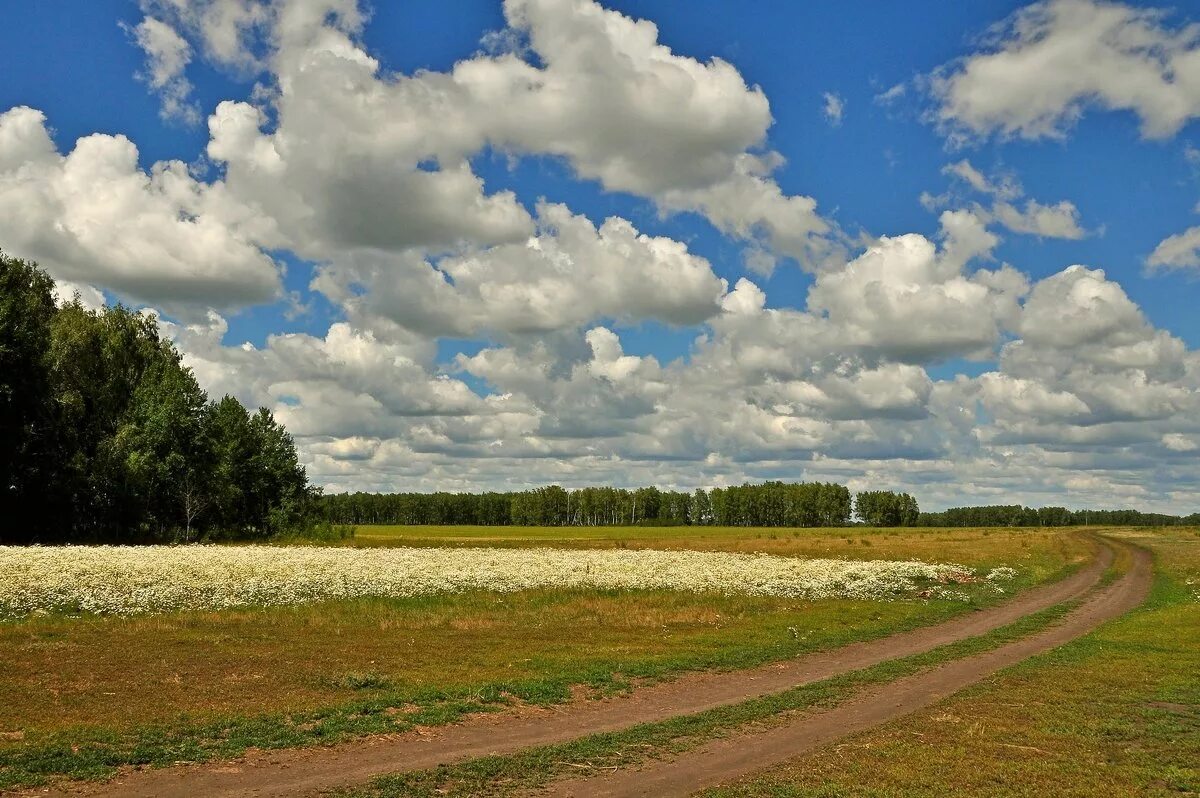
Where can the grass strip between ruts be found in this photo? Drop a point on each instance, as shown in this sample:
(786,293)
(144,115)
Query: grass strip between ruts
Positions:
(497,775)
(96,753)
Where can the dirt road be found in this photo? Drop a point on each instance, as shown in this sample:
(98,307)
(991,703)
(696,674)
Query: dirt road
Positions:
(733,757)
(309,770)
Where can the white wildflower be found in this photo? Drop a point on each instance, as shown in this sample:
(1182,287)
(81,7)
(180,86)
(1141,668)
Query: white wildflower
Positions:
(1003,573)
(123,580)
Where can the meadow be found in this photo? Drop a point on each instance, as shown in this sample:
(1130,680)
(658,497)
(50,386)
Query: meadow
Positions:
(1116,713)
(83,693)
(127,580)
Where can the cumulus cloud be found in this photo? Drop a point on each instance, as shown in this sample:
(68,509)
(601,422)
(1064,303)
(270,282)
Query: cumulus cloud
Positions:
(89,296)
(1055,59)
(1078,307)
(568,273)
(1086,389)
(345,164)
(619,107)
(1049,65)
(94,216)
(368,174)
(1060,220)
(905,298)
(229,31)
(346,383)
(1093,368)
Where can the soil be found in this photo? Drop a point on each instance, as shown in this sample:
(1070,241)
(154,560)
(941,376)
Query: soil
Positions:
(740,755)
(306,771)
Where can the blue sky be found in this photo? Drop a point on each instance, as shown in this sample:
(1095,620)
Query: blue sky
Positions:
(87,72)
(869,172)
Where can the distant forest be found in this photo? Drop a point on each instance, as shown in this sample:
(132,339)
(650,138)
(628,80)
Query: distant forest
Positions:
(105,436)
(776,504)
(1016,515)
(769,504)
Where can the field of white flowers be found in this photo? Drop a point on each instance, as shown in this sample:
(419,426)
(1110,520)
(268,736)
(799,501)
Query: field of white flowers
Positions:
(125,580)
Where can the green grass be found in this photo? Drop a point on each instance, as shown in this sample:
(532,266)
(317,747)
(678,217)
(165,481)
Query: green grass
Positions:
(528,770)
(1116,713)
(970,546)
(533,648)
(81,697)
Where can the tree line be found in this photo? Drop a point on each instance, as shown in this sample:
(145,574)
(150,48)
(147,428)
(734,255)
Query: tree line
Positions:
(105,436)
(1017,515)
(777,504)
(781,504)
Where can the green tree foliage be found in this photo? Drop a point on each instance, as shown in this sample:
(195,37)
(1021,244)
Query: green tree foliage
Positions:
(27,466)
(1017,515)
(769,504)
(106,436)
(885,508)
(254,484)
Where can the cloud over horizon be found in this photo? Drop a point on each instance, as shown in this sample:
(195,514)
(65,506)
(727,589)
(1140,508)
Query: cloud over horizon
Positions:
(481,334)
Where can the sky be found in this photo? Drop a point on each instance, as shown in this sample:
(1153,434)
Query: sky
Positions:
(950,249)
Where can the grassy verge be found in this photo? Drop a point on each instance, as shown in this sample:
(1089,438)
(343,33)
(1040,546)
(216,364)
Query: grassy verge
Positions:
(81,697)
(1116,713)
(528,770)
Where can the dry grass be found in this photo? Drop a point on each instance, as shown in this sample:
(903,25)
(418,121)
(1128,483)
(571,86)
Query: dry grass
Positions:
(1115,714)
(70,678)
(968,546)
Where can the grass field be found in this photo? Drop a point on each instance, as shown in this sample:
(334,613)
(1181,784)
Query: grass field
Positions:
(968,546)
(1115,714)
(82,695)
(530,771)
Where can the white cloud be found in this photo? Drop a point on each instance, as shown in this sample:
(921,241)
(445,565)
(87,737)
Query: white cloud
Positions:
(1088,354)
(1013,397)
(228,30)
(369,174)
(1080,306)
(167,56)
(833,108)
(94,216)
(1180,251)
(568,273)
(1059,220)
(351,165)
(1055,59)
(904,298)
(976,180)
(1089,394)
(89,296)
(1179,443)
(615,104)
(347,383)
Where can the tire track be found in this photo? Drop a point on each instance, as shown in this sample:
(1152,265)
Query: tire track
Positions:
(306,771)
(740,755)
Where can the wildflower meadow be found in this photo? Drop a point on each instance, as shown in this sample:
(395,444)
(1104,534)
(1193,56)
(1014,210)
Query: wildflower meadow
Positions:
(126,580)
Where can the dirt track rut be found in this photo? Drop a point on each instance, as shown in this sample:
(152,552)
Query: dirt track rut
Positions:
(731,758)
(307,771)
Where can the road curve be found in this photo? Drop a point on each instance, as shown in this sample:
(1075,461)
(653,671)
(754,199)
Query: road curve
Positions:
(740,755)
(307,771)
